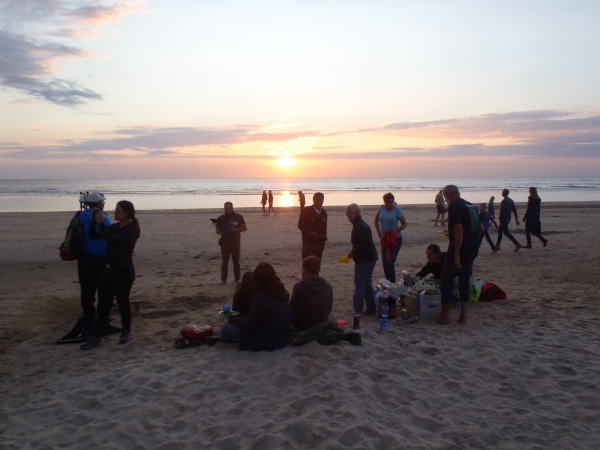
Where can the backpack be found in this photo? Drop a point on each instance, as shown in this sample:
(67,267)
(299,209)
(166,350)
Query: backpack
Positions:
(72,247)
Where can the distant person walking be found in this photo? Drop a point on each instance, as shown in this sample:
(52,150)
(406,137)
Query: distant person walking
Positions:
(301,199)
(364,254)
(85,199)
(389,223)
(492,211)
(313,225)
(263,202)
(532,218)
(229,227)
(90,265)
(440,207)
(484,218)
(119,272)
(507,207)
(81,201)
(463,246)
(271,204)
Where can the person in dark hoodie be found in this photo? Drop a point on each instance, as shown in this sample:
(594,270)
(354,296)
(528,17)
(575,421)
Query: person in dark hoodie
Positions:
(532,218)
(312,297)
(242,297)
(268,325)
(365,256)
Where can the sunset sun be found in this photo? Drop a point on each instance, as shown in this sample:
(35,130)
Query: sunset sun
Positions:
(286,162)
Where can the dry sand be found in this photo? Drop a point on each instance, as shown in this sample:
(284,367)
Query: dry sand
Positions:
(525,373)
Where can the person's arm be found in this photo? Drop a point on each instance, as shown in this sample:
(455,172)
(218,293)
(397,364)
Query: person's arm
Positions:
(402,223)
(115,238)
(514,210)
(377,225)
(458,239)
(255,315)
(426,270)
(241,228)
(363,241)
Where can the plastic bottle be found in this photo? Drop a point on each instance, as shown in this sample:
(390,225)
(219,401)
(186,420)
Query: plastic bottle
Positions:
(383,322)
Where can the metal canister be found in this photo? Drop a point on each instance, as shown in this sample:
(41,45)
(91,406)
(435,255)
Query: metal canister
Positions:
(356,323)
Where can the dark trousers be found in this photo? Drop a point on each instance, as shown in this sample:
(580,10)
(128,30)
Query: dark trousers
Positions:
(363,287)
(486,234)
(449,272)
(90,269)
(531,228)
(388,266)
(503,229)
(230,249)
(115,283)
(313,248)
(493,222)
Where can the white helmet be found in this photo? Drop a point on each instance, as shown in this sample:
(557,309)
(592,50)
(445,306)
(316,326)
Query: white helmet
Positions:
(95,197)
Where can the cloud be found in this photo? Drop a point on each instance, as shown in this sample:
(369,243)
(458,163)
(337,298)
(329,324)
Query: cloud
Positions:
(29,56)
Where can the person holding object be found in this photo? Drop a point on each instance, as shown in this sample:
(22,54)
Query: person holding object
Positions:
(364,254)
(268,325)
(119,272)
(229,227)
(90,264)
(484,218)
(312,297)
(464,228)
(301,199)
(389,232)
(507,207)
(440,207)
(313,225)
(532,218)
(435,263)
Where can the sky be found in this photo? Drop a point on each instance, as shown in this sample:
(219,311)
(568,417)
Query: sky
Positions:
(236,89)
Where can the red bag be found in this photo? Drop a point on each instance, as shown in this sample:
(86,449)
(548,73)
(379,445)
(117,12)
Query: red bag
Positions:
(499,294)
(196,332)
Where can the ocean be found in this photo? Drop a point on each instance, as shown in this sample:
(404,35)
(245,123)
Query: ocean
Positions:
(63,195)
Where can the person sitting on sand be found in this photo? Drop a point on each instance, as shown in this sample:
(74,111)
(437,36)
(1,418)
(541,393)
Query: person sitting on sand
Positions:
(312,297)
(242,297)
(464,228)
(268,325)
(435,263)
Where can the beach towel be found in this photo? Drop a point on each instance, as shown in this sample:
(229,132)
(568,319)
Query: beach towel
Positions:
(326,333)
(389,240)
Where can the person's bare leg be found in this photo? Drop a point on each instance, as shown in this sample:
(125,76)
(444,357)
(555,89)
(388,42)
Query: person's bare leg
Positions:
(444,318)
(463,313)
(443,221)
(436,219)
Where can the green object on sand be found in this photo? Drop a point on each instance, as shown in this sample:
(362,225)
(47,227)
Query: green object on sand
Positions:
(233,313)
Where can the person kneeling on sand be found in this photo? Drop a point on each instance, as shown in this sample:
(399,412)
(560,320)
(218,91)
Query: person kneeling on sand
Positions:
(268,325)
(242,297)
(312,297)
(464,228)
(435,263)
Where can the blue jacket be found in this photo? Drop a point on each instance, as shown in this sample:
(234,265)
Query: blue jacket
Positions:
(92,246)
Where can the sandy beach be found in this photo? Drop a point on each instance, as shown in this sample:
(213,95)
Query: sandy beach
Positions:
(524,374)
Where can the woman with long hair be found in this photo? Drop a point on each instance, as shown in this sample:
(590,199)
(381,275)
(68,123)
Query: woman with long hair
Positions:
(268,325)
(532,218)
(389,223)
(271,204)
(242,297)
(263,202)
(119,272)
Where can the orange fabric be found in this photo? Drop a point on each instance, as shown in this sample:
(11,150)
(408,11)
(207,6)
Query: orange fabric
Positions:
(388,242)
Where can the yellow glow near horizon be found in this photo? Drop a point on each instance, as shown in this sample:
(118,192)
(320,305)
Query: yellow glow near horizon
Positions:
(286,162)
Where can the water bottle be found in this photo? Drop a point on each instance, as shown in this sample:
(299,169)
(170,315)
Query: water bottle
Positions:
(383,322)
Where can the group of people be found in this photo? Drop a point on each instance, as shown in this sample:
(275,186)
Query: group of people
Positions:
(268,314)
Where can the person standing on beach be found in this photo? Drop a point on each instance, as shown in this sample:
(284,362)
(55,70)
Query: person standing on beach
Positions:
(263,202)
(90,264)
(507,207)
(313,225)
(81,201)
(119,272)
(301,199)
(364,254)
(85,199)
(440,207)
(229,227)
(532,218)
(492,211)
(464,228)
(271,204)
(389,223)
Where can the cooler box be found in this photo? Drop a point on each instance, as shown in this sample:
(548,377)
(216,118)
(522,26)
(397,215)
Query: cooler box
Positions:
(425,306)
